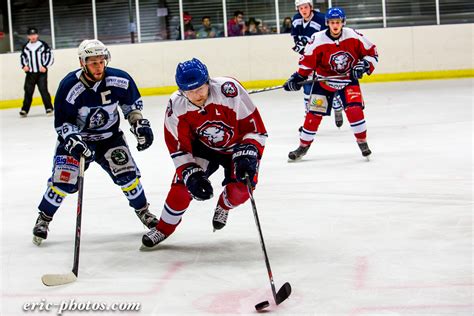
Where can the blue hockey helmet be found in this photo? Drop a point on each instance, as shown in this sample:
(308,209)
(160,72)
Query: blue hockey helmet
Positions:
(335,13)
(191,74)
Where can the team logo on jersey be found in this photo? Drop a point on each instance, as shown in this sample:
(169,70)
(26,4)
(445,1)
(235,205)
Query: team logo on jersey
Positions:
(119,157)
(341,62)
(215,134)
(229,89)
(97,118)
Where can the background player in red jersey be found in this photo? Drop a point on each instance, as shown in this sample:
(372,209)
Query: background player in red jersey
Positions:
(208,123)
(337,51)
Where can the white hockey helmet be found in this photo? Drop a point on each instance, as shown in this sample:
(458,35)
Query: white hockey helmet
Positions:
(90,48)
(300,2)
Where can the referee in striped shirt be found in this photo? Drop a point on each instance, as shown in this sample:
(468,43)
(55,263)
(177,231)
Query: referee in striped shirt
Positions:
(36,58)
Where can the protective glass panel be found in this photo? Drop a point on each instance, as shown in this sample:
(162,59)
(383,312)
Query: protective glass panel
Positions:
(72,22)
(258,17)
(410,13)
(456,11)
(27,14)
(159,20)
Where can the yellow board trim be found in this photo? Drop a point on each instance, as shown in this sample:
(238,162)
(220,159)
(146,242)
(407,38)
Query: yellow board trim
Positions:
(259,84)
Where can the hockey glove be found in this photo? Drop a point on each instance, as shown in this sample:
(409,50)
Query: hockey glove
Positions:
(300,45)
(359,69)
(293,83)
(245,159)
(143,132)
(77,147)
(197,183)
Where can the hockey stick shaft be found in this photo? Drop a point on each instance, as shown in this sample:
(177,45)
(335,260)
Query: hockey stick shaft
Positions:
(317,78)
(262,242)
(77,241)
(61,279)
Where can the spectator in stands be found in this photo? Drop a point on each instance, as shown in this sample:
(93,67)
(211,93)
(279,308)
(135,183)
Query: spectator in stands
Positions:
(207,30)
(262,27)
(286,27)
(252,27)
(236,25)
(189,32)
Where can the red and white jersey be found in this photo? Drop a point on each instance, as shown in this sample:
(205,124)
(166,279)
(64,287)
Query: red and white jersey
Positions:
(331,57)
(227,119)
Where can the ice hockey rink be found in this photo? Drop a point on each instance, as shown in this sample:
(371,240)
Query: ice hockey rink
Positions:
(392,236)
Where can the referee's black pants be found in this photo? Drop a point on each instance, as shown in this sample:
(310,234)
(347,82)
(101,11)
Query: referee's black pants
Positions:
(40,79)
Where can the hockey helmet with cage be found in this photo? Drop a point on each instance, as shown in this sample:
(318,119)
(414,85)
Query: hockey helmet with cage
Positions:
(90,48)
(300,2)
(191,74)
(335,13)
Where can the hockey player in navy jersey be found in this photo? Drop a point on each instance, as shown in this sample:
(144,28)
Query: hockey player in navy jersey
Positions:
(304,24)
(209,122)
(87,122)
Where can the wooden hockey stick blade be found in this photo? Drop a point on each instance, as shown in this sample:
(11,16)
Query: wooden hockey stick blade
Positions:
(58,279)
(283,293)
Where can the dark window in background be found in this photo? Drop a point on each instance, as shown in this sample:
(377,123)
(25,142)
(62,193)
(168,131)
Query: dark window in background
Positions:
(456,11)
(113,21)
(73,22)
(362,14)
(30,13)
(211,8)
(4,33)
(410,13)
(158,19)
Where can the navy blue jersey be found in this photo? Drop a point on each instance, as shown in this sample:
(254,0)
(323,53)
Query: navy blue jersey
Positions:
(300,29)
(92,111)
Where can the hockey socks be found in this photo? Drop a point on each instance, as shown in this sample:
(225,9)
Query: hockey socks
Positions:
(310,127)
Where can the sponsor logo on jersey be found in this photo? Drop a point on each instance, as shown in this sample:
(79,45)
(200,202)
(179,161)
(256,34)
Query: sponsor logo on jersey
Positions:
(65,176)
(118,82)
(119,156)
(66,160)
(97,118)
(341,62)
(229,89)
(74,93)
(215,134)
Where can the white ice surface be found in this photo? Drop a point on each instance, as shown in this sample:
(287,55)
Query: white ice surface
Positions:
(392,236)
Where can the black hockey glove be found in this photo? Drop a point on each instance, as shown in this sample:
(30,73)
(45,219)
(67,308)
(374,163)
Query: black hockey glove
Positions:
(77,147)
(197,183)
(360,69)
(143,132)
(293,83)
(300,45)
(245,159)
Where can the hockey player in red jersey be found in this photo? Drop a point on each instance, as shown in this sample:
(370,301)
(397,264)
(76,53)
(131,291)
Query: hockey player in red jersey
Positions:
(338,51)
(208,123)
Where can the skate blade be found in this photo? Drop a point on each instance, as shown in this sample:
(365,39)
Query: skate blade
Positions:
(294,160)
(147,249)
(37,240)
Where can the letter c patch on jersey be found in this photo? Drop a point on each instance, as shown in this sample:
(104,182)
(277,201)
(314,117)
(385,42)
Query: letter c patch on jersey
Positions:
(229,89)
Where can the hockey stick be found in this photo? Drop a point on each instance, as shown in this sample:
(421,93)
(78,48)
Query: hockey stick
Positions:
(285,291)
(342,78)
(61,279)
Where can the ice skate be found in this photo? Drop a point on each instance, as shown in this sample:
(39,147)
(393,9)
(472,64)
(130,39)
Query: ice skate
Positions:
(152,239)
(49,112)
(338,118)
(220,218)
(40,231)
(298,153)
(147,218)
(364,148)
(23,113)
